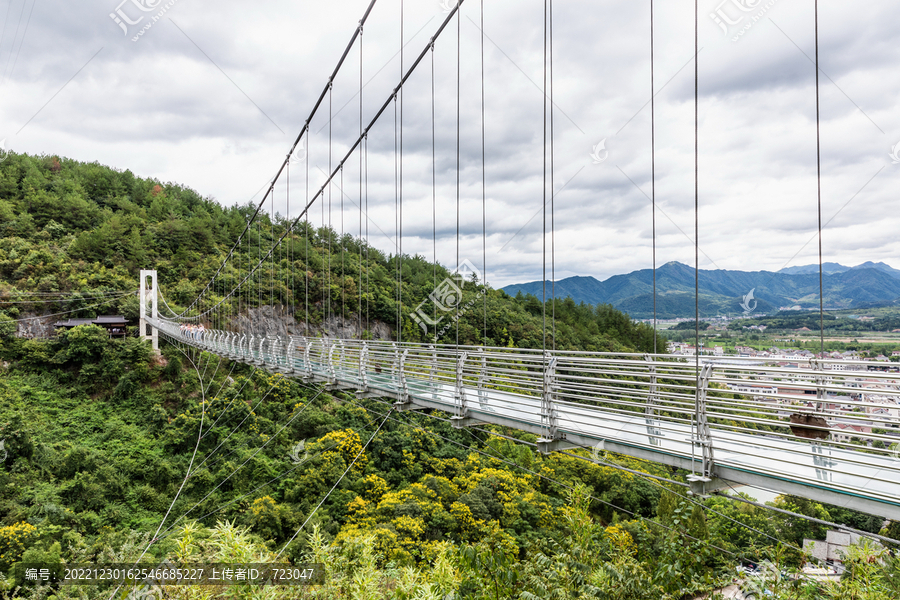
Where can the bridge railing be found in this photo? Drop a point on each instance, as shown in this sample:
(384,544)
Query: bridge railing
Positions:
(771,399)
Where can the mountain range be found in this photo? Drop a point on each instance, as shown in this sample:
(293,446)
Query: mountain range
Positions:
(722,292)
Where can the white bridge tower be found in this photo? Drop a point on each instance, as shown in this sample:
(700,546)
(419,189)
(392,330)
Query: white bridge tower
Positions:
(149,307)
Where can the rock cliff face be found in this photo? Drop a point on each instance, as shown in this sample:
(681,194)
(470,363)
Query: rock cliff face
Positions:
(274,320)
(35,326)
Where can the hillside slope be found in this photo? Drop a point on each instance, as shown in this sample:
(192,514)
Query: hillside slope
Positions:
(84,230)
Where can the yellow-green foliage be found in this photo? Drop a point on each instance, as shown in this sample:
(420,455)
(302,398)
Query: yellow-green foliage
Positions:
(14,540)
(347,446)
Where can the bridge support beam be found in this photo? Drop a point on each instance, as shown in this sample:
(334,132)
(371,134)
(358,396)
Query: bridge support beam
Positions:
(149,307)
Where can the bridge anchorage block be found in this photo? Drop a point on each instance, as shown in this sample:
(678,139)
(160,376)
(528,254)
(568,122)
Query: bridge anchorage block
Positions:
(704,486)
(338,387)
(546,446)
(464,421)
(367,393)
(407,406)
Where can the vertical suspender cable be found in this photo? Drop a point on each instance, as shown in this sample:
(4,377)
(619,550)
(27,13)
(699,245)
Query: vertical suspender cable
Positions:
(366,185)
(359,280)
(400,197)
(696,230)
(259,259)
(483,192)
(321,240)
(433,198)
(289,275)
(653,171)
(396,224)
(328,311)
(458,43)
(306,235)
(272,230)
(544,198)
(343,299)
(552,192)
(819,193)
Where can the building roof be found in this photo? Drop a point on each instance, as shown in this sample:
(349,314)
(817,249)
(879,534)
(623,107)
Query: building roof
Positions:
(73,322)
(101,320)
(110,319)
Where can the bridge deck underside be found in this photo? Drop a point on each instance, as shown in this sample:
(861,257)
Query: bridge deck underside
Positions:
(825,472)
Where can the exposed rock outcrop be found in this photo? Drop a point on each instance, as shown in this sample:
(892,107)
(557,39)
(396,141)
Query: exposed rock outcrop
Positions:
(275,320)
(35,326)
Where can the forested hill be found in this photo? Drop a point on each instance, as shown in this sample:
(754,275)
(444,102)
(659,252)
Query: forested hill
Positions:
(87,229)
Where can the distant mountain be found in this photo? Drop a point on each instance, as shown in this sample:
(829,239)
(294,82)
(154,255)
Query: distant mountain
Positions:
(830,268)
(723,292)
(827,268)
(879,266)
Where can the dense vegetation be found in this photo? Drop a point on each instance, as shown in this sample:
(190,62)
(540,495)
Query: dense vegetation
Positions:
(99,435)
(86,230)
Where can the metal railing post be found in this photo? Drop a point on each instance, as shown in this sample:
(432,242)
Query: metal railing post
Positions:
(459,396)
(364,367)
(395,365)
(652,402)
(327,344)
(821,394)
(432,371)
(548,410)
(482,376)
(702,435)
(404,389)
(306,357)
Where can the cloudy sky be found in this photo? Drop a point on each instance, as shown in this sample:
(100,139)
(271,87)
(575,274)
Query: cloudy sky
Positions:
(213,95)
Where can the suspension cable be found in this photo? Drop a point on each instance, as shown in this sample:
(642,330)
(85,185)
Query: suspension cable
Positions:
(186,475)
(321,192)
(336,483)
(303,130)
(536,473)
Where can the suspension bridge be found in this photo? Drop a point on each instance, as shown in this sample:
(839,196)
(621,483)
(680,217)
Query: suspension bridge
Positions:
(739,421)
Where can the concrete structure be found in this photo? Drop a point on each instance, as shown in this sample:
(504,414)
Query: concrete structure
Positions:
(833,549)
